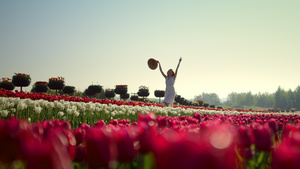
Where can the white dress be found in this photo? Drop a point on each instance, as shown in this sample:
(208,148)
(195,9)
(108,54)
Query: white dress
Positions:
(170,91)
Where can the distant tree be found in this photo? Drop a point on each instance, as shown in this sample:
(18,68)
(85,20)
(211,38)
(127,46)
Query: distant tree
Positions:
(241,99)
(264,100)
(211,98)
(78,93)
(290,99)
(231,99)
(249,99)
(281,99)
(297,98)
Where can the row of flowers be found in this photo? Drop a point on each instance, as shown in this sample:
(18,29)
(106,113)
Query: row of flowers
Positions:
(118,134)
(51,98)
(161,142)
(90,112)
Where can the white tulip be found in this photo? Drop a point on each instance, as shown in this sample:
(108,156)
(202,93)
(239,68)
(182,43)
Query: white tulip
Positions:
(37,110)
(13,110)
(31,104)
(76,113)
(60,113)
(21,106)
(49,105)
(82,108)
(4,113)
(112,114)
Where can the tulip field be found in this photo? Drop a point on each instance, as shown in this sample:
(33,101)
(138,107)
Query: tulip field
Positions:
(41,131)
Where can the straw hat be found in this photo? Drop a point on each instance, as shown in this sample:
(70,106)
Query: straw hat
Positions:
(152,63)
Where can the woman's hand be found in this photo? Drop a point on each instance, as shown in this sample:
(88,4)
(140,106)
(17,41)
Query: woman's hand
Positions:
(161,69)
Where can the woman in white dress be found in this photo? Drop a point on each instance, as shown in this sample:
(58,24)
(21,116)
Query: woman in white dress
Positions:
(170,80)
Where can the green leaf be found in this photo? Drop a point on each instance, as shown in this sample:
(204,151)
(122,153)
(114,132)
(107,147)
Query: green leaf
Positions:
(251,164)
(260,158)
(148,161)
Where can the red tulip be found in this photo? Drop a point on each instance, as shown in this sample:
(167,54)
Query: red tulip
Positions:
(98,151)
(100,123)
(287,155)
(39,154)
(50,152)
(212,149)
(80,135)
(12,132)
(262,137)
(246,138)
(125,145)
(145,135)
(162,121)
(273,125)
(80,153)
(197,116)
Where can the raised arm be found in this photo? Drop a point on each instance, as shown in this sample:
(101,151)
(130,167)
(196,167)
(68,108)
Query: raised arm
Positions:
(164,75)
(177,68)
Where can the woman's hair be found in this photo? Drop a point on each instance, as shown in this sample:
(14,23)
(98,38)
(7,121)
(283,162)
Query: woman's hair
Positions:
(172,71)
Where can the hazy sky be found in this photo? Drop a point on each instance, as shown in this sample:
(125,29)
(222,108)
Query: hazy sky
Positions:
(225,45)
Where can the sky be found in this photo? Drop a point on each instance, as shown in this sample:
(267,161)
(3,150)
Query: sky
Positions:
(226,45)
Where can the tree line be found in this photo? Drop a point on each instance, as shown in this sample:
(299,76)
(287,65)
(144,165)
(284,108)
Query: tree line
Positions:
(280,99)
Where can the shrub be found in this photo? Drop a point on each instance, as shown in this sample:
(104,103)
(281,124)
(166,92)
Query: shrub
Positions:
(109,93)
(69,89)
(95,88)
(200,102)
(134,98)
(159,93)
(41,86)
(124,96)
(205,104)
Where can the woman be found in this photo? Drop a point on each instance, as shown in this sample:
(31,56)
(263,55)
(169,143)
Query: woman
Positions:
(170,80)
